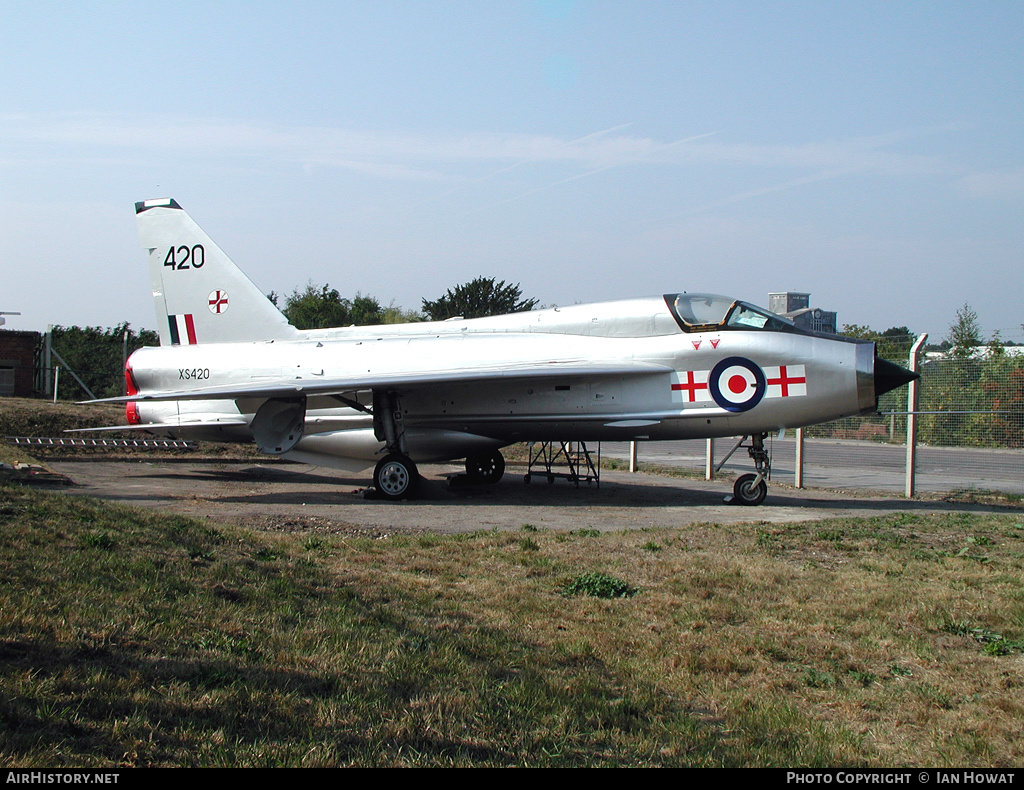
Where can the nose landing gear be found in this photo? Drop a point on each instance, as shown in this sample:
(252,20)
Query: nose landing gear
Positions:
(751,489)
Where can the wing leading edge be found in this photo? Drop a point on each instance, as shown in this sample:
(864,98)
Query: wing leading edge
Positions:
(400,380)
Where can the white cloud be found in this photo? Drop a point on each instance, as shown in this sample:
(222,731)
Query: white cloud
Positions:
(995,183)
(397,155)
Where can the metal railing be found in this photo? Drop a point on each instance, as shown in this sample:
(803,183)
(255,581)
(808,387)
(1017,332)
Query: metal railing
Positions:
(45,441)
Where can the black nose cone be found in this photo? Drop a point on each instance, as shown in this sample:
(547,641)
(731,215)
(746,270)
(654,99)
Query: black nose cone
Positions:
(889,376)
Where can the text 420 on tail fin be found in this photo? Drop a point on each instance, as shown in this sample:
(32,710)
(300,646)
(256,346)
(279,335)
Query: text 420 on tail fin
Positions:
(200,295)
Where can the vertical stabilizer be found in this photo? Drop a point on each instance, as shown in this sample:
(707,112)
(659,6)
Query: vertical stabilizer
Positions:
(200,295)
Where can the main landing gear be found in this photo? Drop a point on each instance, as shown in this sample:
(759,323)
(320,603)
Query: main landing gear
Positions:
(485,467)
(751,489)
(395,476)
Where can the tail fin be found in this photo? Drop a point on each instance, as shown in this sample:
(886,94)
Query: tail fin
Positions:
(200,295)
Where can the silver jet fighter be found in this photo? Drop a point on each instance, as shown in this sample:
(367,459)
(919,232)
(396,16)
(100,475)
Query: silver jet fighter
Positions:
(231,368)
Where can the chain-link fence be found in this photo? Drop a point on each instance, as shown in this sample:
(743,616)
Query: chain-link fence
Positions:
(972,402)
(970,426)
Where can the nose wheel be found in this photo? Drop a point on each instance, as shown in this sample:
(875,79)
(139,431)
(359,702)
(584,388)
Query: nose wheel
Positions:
(751,489)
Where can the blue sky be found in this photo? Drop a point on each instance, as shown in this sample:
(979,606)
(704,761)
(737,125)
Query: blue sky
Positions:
(867,152)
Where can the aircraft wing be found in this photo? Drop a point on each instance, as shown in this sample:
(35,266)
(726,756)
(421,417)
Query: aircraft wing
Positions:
(313,385)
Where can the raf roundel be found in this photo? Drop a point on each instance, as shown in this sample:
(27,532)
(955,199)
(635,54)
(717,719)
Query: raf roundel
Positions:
(737,384)
(218,302)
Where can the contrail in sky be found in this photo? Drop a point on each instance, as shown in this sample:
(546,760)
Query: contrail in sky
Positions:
(602,169)
(520,163)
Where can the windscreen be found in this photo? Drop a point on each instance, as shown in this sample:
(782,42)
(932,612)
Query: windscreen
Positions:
(701,310)
(707,312)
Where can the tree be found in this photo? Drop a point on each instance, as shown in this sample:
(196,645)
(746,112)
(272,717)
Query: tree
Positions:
(96,356)
(996,346)
(323,307)
(977,399)
(896,342)
(478,298)
(964,334)
(366,311)
(893,344)
(393,314)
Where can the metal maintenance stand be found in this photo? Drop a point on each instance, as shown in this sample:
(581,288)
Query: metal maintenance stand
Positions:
(545,457)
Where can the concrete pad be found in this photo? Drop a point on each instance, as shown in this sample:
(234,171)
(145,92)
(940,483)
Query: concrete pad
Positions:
(277,495)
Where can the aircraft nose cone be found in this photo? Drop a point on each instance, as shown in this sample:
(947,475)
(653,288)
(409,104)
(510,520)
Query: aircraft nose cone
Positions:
(889,376)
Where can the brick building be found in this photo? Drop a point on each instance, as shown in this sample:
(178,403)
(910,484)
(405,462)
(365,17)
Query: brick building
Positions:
(18,363)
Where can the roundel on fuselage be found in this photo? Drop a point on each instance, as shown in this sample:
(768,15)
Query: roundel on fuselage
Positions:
(737,384)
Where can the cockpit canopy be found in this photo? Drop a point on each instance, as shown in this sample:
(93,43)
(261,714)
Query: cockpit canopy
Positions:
(710,312)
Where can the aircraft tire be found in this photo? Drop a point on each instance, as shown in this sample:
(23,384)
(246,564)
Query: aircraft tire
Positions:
(395,477)
(486,467)
(746,493)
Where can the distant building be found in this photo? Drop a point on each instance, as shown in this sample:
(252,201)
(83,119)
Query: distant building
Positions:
(18,363)
(796,307)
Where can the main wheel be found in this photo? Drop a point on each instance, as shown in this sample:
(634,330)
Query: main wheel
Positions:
(395,477)
(486,467)
(746,493)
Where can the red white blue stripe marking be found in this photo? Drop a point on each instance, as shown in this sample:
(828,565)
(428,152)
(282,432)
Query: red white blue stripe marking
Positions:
(183,330)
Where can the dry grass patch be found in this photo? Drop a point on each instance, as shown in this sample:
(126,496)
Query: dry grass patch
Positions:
(871,634)
(130,638)
(37,417)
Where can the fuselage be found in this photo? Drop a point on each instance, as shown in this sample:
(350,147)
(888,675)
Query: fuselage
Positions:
(714,375)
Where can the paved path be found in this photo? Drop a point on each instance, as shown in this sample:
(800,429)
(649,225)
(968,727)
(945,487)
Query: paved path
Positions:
(299,497)
(866,466)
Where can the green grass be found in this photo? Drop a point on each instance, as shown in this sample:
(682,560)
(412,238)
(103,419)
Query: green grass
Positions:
(132,638)
(599,585)
(128,637)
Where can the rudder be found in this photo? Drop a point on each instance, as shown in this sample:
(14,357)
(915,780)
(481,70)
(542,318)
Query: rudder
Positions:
(200,295)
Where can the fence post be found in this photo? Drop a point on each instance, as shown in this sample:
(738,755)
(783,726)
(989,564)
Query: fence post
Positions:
(709,463)
(48,362)
(912,399)
(74,375)
(798,472)
(633,465)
